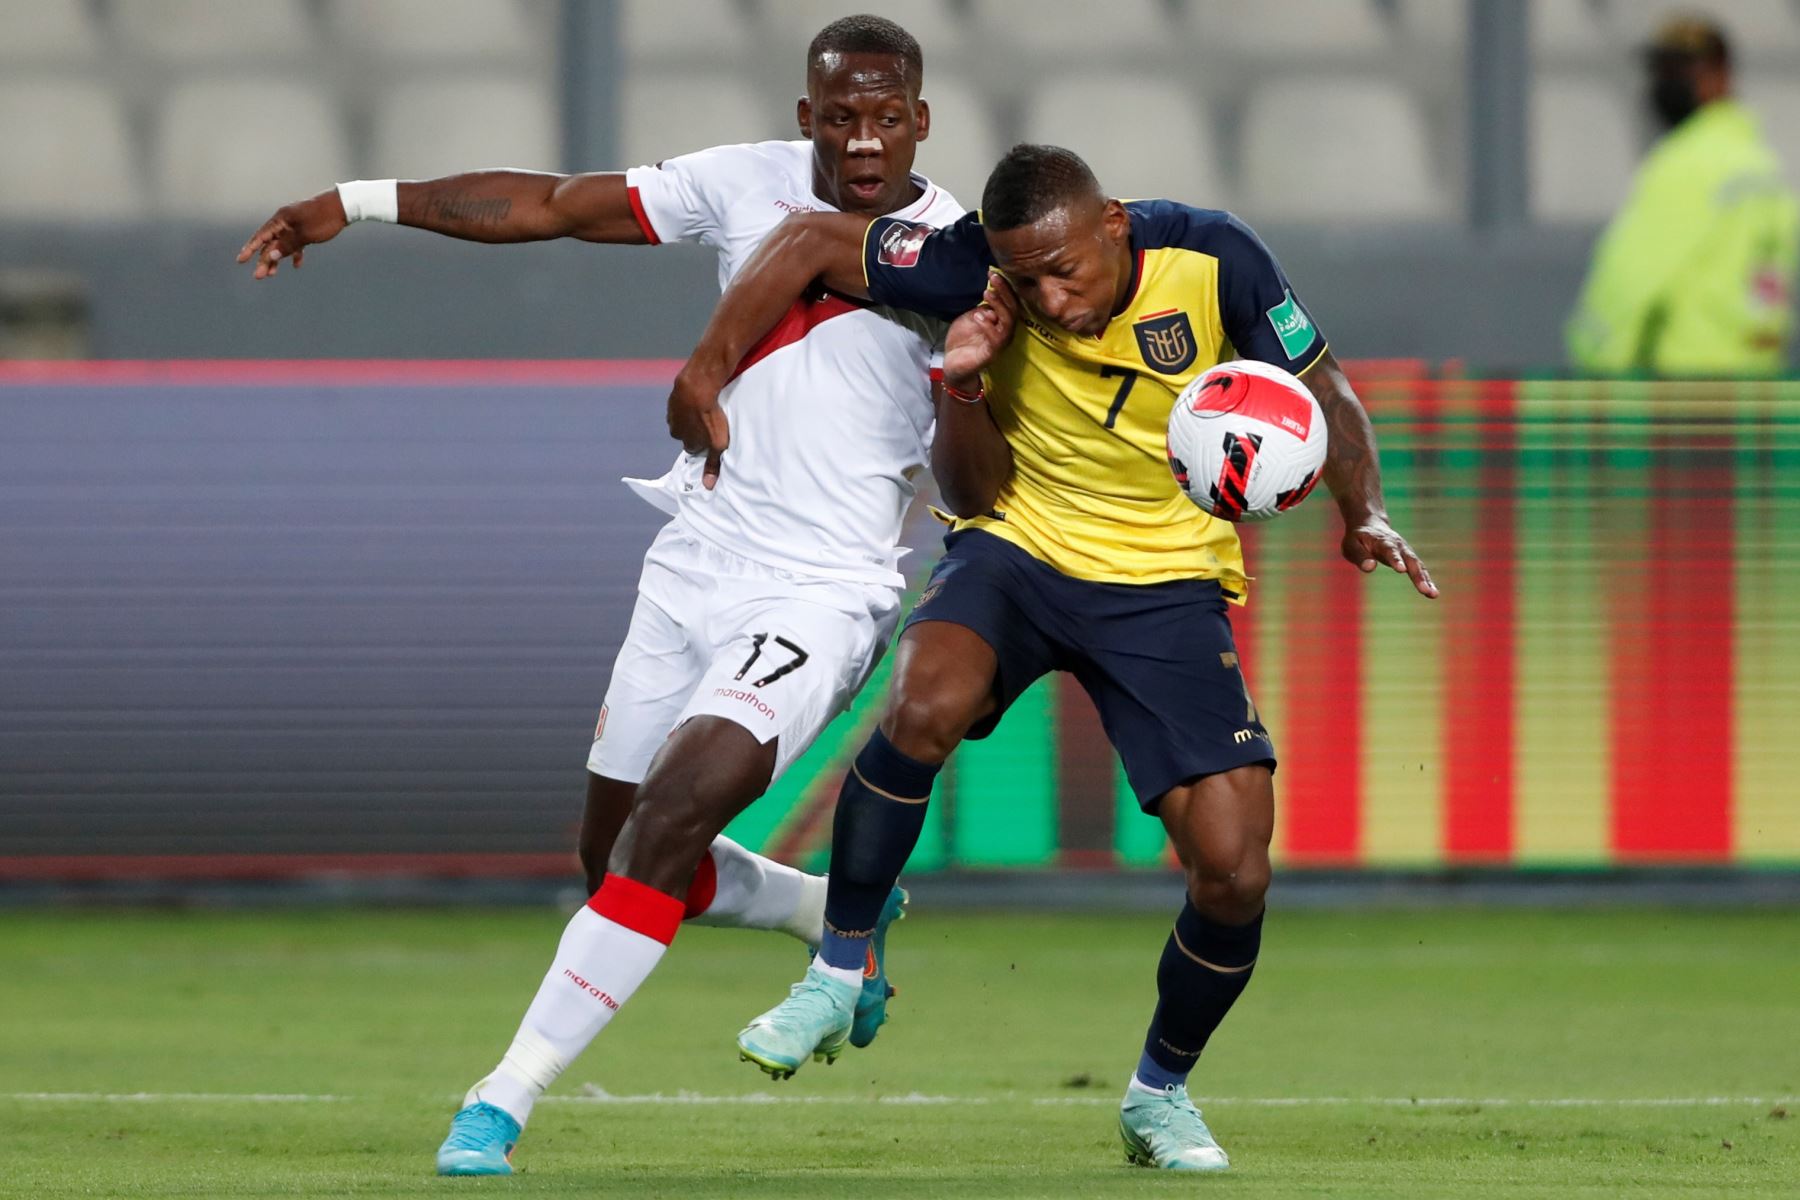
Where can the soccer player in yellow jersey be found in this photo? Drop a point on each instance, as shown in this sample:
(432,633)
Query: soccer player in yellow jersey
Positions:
(1074,551)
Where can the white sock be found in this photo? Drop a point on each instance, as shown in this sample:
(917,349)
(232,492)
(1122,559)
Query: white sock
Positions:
(754,892)
(852,976)
(598,965)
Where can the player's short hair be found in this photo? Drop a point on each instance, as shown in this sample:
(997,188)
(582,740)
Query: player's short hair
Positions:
(866,34)
(1031,181)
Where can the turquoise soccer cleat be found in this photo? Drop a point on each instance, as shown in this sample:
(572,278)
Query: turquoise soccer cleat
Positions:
(871,1006)
(1164,1130)
(481,1142)
(813,1021)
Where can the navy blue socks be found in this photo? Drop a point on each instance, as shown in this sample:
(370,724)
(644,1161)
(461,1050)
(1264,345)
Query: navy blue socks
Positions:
(880,812)
(1204,969)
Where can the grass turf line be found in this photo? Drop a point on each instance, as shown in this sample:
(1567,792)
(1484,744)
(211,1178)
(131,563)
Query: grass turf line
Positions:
(397,1012)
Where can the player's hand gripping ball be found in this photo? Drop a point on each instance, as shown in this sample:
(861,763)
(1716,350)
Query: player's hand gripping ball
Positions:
(1246,441)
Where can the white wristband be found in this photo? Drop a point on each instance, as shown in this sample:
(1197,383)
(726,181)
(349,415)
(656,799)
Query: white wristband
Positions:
(371,199)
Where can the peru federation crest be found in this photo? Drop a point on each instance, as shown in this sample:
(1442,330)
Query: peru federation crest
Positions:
(1166,341)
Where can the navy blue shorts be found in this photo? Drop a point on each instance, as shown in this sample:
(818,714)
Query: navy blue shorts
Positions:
(1157,659)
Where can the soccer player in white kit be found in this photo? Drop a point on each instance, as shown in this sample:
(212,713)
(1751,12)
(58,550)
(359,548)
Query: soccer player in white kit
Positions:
(767,599)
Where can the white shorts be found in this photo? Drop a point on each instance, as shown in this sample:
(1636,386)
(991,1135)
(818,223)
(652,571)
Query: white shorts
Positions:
(779,652)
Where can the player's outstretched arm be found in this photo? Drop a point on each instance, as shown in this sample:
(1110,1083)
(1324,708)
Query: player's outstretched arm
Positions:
(806,248)
(1353,473)
(970,457)
(481,206)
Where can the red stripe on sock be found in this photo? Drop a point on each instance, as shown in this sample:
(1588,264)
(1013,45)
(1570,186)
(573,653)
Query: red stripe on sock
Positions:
(1478,724)
(704,887)
(638,907)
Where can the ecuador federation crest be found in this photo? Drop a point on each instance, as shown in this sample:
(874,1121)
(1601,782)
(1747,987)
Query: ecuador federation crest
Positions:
(1166,340)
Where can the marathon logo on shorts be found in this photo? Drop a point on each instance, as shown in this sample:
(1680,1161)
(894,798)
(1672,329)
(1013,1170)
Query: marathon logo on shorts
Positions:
(901,244)
(751,698)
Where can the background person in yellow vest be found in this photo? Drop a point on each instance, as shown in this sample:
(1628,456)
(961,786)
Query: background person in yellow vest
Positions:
(1695,274)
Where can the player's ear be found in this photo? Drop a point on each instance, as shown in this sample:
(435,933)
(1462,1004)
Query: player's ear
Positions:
(803,114)
(922,119)
(1116,221)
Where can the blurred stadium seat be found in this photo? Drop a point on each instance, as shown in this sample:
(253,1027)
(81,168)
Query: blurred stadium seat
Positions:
(422,130)
(964,145)
(682,28)
(1776,99)
(48,31)
(234,149)
(427,29)
(188,30)
(1338,150)
(1433,25)
(1760,30)
(666,113)
(1073,28)
(1567,29)
(1171,156)
(1584,147)
(1283,28)
(67,152)
(938,28)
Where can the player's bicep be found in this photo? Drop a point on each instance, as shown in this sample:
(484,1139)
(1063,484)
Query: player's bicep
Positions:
(940,272)
(1257,306)
(598,208)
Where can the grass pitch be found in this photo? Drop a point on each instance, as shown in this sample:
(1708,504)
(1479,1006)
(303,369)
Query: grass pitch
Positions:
(1375,1054)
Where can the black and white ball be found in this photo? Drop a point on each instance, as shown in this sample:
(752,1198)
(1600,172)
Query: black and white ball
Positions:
(1246,441)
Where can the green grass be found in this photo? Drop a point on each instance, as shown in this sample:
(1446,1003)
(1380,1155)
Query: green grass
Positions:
(396,1012)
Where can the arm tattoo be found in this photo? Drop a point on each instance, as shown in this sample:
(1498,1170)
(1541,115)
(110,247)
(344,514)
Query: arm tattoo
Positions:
(460,206)
(1352,468)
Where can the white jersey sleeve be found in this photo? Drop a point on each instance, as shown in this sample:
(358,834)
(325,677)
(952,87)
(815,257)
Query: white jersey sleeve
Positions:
(686,199)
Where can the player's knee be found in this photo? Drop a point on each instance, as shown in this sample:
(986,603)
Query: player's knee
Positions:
(1229,888)
(926,722)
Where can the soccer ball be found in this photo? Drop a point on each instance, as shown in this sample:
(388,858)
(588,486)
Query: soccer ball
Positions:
(1246,441)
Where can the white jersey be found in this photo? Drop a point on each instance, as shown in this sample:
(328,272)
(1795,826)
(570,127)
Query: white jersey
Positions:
(831,414)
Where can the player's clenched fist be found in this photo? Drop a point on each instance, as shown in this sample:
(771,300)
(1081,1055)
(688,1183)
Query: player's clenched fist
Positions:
(697,421)
(293,228)
(979,334)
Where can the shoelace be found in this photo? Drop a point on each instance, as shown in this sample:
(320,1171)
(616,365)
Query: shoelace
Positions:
(475,1130)
(812,998)
(1178,1109)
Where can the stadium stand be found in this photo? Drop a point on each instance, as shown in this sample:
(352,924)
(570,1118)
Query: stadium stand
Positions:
(1074,28)
(67,152)
(1338,150)
(188,31)
(683,29)
(59,32)
(380,80)
(939,27)
(421,30)
(1568,29)
(1776,98)
(1760,30)
(1133,159)
(425,129)
(666,113)
(1584,148)
(963,146)
(1282,29)
(211,156)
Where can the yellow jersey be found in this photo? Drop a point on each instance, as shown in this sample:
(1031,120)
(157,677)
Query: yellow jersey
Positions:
(1091,492)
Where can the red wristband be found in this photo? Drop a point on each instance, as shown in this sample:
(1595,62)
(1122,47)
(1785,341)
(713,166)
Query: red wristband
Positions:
(975,397)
